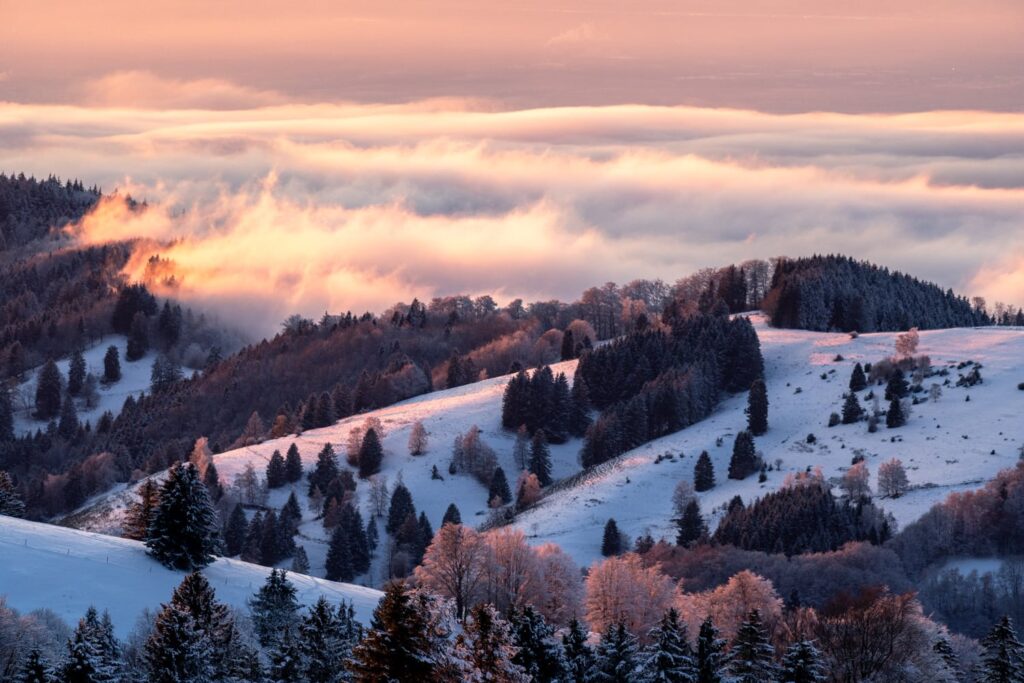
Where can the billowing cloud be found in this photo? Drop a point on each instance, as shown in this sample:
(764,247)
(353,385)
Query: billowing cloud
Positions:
(268,210)
(146,90)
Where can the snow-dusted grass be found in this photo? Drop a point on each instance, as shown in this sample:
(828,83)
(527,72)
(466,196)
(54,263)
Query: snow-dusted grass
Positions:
(134,381)
(65,570)
(638,493)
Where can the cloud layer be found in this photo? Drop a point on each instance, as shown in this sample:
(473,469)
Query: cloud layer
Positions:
(265,210)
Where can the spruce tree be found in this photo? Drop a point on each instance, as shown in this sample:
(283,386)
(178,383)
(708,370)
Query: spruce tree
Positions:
(744,457)
(802,663)
(514,402)
(691,526)
(580,407)
(325,471)
(556,422)
(757,408)
(708,656)
(48,392)
(398,645)
(182,534)
(703,473)
(752,658)
(579,658)
(112,365)
(852,410)
(234,532)
(351,522)
(6,414)
(451,515)
(499,489)
(68,425)
(949,658)
(668,658)
(139,514)
(274,608)
(568,345)
(400,508)
(178,650)
(858,382)
(611,541)
(540,458)
(540,655)
(325,643)
(897,386)
(489,647)
(286,660)
(370,454)
(1002,658)
(616,656)
(300,561)
(10,502)
(213,619)
(424,537)
(895,417)
(269,540)
(292,464)
(76,373)
(253,538)
(339,557)
(276,473)
(212,481)
(35,669)
(372,535)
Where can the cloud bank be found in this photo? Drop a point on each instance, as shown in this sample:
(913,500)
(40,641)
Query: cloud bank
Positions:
(267,207)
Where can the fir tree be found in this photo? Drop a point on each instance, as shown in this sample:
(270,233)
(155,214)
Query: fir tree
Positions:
(708,656)
(540,458)
(292,464)
(400,508)
(579,408)
(611,541)
(351,522)
(897,386)
(451,515)
(339,557)
(68,425)
(138,338)
(139,514)
(212,481)
(269,540)
(579,658)
(489,647)
(691,526)
(556,422)
(398,645)
(111,365)
(703,473)
(178,650)
(234,532)
(540,655)
(894,417)
(852,410)
(276,473)
(669,658)
(35,669)
(616,656)
(752,657)
(1002,659)
(48,392)
(858,382)
(291,513)
(325,471)
(286,660)
(948,657)
(370,454)
(372,535)
(425,535)
(76,373)
(325,643)
(802,664)
(253,538)
(182,534)
(568,345)
(744,457)
(213,619)
(6,414)
(10,502)
(757,408)
(274,608)
(499,490)
(300,561)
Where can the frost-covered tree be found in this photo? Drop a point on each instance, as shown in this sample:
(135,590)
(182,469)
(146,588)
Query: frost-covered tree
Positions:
(622,589)
(708,653)
(668,658)
(455,566)
(398,645)
(855,482)
(489,649)
(276,473)
(178,650)
(892,478)
(540,654)
(286,661)
(751,658)
(418,438)
(182,534)
(802,663)
(579,658)
(35,669)
(10,502)
(616,657)
(326,639)
(293,464)
(703,473)
(1003,655)
(540,458)
(274,608)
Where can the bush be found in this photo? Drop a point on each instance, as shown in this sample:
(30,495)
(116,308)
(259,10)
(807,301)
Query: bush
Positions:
(833,419)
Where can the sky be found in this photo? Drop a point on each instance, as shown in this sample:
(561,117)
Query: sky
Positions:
(315,156)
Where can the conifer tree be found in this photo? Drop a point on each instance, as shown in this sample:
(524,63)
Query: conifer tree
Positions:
(568,345)
(76,373)
(300,561)
(10,502)
(556,422)
(253,538)
(691,526)
(616,656)
(489,647)
(703,473)
(499,491)
(897,386)
(579,657)
(757,408)
(580,407)
(752,658)
(611,541)
(669,658)
(949,658)
(93,652)
(286,661)
(269,540)
(339,557)
(425,535)
(138,338)
(139,514)
(213,619)
(397,646)
(68,425)
(401,507)
(540,458)
(852,410)
(540,655)
(513,402)
(6,414)
(212,481)
(292,464)
(276,474)
(35,669)
(325,471)
(274,608)
(351,522)
(325,643)
(1002,658)
(858,382)
(372,535)
(48,392)
(182,534)
(802,663)
(234,532)
(708,653)
(178,650)
(451,515)
(744,457)
(112,365)
(370,454)
(894,417)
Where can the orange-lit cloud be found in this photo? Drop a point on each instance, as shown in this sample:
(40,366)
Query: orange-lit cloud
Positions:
(146,90)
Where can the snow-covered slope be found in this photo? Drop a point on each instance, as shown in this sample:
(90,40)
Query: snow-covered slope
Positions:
(65,570)
(947,445)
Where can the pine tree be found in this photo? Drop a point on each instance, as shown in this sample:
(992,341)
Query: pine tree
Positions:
(112,365)
(897,386)
(35,669)
(372,535)
(234,532)
(286,660)
(691,526)
(556,422)
(6,414)
(540,655)
(540,458)
(178,650)
(669,658)
(182,534)
(48,392)
(488,644)
(1002,659)
(277,475)
(616,656)
(325,643)
(325,471)
(752,657)
(895,418)
(253,537)
(451,515)
(274,608)
(351,522)
(293,464)
(703,473)
(138,338)
(68,425)
(425,535)
(852,410)
(802,664)
(370,454)
(400,508)
(858,382)
(499,490)
(579,657)
(568,345)
(139,514)
(76,373)
(398,646)
(300,561)
(744,457)
(611,541)
(211,479)
(580,407)
(948,657)
(213,619)
(339,557)
(757,408)
(269,543)
(708,654)
(514,400)
(10,502)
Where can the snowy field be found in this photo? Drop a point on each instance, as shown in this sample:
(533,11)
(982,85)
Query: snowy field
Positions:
(947,445)
(135,379)
(65,570)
